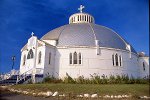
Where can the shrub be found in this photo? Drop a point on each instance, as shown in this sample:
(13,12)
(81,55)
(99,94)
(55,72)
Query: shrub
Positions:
(111,79)
(125,79)
(81,80)
(96,79)
(69,79)
(51,79)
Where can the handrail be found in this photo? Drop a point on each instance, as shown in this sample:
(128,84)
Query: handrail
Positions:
(22,76)
(29,72)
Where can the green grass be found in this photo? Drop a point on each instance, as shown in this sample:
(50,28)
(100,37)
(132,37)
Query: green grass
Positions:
(114,89)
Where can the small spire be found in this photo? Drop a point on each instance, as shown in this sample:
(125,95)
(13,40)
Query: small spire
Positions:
(32,34)
(81,8)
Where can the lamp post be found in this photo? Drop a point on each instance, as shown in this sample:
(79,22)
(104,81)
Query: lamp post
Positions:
(13,60)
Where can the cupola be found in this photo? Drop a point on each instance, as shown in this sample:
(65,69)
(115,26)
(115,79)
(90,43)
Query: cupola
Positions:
(81,17)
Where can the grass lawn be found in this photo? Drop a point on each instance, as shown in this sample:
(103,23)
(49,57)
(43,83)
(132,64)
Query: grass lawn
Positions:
(114,89)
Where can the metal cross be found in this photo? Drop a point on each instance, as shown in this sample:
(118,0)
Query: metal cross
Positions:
(81,8)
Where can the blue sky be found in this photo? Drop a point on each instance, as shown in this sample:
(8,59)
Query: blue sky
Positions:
(18,18)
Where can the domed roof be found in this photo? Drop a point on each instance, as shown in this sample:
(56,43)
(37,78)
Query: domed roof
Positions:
(82,31)
(85,34)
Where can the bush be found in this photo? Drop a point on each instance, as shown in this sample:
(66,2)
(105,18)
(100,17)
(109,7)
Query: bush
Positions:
(81,80)
(112,79)
(96,79)
(69,79)
(51,79)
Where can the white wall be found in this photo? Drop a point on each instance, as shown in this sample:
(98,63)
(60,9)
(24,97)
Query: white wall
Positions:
(143,72)
(49,68)
(93,63)
(32,63)
(28,64)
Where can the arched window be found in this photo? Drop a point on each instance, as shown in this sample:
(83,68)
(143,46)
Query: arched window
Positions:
(75,58)
(116,59)
(120,59)
(70,58)
(113,60)
(24,59)
(30,54)
(49,61)
(143,66)
(39,57)
(80,58)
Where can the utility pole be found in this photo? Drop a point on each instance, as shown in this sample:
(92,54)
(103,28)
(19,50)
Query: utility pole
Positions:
(13,61)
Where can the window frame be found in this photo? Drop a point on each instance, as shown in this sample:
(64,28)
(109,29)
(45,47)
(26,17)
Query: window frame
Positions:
(75,58)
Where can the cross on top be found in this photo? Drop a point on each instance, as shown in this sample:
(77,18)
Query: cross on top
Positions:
(81,7)
(32,34)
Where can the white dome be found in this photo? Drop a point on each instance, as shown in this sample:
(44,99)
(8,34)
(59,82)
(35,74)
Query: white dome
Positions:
(85,34)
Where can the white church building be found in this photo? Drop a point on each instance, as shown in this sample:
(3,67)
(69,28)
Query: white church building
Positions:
(82,48)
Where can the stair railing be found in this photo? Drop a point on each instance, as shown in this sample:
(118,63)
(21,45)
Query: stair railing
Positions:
(24,75)
(28,73)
